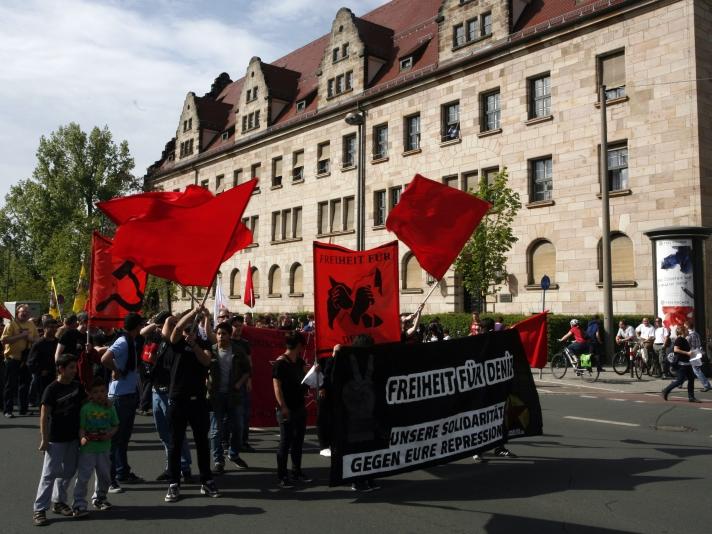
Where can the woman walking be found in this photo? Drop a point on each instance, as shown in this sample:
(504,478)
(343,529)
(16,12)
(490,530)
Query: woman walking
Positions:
(681,349)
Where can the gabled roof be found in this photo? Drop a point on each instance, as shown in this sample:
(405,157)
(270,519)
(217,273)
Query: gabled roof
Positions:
(539,11)
(281,83)
(377,39)
(212,114)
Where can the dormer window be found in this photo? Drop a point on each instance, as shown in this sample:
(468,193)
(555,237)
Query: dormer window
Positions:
(340,84)
(301,106)
(225,135)
(406,63)
(252,94)
(345,50)
(486,24)
(335,55)
(188,124)
(251,121)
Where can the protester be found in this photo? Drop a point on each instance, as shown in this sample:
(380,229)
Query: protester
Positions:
(238,322)
(625,334)
(122,360)
(661,341)
(594,336)
(229,371)
(160,359)
(409,326)
(74,336)
(17,338)
(59,439)
(41,359)
(446,334)
(187,403)
(695,342)
(435,330)
(579,345)
(98,422)
(683,369)
(499,324)
(287,375)
(324,420)
(475,324)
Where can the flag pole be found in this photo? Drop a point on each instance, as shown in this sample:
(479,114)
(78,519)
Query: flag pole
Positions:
(432,290)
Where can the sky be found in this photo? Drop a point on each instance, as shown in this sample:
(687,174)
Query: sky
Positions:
(128,64)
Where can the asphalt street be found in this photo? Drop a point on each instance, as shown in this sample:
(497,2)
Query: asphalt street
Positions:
(614,458)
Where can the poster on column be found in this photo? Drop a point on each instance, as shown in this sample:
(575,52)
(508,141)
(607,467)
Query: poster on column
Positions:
(399,407)
(675,280)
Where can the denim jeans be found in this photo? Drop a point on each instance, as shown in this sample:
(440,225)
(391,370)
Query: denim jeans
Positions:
(17,384)
(291,441)
(701,376)
(160,418)
(90,463)
(126,410)
(222,413)
(684,372)
(58,468)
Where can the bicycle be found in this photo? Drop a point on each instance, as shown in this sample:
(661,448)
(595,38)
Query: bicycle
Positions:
(632,357)
(561,361)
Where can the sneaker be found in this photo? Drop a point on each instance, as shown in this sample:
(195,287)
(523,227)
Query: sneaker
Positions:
(80,513)
(325,452)
(131,478)
(9,415)
(302,477)
(218,469)
(705,389)
(372,485)
(208,488)
(693,399)
(62,509)
(102,504)
(163,477)
(173,493)
(503,451)
(478,459)
(187,476)
(39,519)
(285,483)
(664,394)
(239,462)
(359,486)
(115,487)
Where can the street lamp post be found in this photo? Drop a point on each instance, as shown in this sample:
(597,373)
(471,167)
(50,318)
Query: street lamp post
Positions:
(607,275)
(358,118)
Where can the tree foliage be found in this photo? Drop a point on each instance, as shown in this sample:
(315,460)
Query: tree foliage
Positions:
(47,220)
(483,261)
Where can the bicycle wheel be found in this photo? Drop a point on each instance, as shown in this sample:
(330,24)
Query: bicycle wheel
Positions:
(620,362)
(638,367)
(590,374)
(559,365)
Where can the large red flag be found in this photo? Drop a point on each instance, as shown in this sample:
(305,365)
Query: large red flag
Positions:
(123,209)
(116,285)
(355,293)
(249,298)
(186,243)
(533,334)
(435,221)
(5,313)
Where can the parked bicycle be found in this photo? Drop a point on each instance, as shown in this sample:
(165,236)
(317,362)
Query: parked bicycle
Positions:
(583,366)
(633,358)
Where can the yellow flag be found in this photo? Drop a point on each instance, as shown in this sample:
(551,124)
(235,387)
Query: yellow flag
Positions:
(53,304)
(80,297)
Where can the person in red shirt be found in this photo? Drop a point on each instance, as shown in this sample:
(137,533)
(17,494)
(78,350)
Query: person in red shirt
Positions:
(475,325)
(579,344)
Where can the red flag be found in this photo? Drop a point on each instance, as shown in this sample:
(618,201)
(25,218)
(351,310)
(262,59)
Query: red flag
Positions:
(249,298)
(532,332)
(124,209)
(5,313)
(186,243)
(116,285)
(435,221)
(355,293)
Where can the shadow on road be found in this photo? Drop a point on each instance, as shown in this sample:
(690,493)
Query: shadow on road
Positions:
(507,524)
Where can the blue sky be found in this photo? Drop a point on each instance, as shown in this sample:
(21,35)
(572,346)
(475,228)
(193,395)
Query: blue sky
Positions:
(129,63)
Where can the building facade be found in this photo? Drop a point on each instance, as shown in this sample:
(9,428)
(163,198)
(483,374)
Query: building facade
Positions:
(457,90)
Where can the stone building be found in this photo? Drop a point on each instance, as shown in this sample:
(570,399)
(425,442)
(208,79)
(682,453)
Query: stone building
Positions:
(456,90)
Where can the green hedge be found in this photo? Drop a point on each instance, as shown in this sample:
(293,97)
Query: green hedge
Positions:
(558,325)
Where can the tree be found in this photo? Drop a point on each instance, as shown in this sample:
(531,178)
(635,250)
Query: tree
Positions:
(483,261)
(47,220)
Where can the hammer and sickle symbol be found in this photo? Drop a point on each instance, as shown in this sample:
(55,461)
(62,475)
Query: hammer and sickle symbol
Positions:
(126,269)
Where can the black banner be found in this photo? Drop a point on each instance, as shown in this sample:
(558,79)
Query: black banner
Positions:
(401,407)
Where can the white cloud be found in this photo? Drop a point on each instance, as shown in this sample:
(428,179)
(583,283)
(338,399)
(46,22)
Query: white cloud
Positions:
(122,64)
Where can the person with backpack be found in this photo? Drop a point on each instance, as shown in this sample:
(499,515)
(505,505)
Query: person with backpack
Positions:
(594,335)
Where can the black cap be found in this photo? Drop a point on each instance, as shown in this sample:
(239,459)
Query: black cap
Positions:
(161,317)
(132,321)
(82,316)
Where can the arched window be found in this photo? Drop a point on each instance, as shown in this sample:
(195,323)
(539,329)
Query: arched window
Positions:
(541,261)
(296,279)
(622,264)
(275,280)
(412,273)
(235,284)
(256,281)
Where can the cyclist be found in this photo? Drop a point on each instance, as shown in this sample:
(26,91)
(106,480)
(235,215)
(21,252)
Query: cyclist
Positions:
(626,334)
(579,345)
(646,334)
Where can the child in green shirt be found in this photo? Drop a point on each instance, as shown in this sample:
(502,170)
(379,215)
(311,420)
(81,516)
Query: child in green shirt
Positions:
(98,421)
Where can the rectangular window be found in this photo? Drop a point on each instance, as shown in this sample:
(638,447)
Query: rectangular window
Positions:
(349,209)
(190,123)
(618,167)
(297,223)
(225,135)
(277,171)
(256,171)
(490,174)
(541,179)
(469,181)
(471,29)
(490,111)
(276,226)
(185,125)
(451,181)
(458,35)
(330,88)
(345,50)
(298,166)
(257,119)
(244,123)
(450,121)
(236,177)
(301,106)
(286,224)
(219,179)
(335,223)
(380,141)
(406,63)
(349,151)
(349,80)
(339,84)
(394,194)
(335,55)
(612,74)
(540,96)
(323,155)
(412,133)
(255,227)
(205,184)
(379,208)
(486,24)
(322,218)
